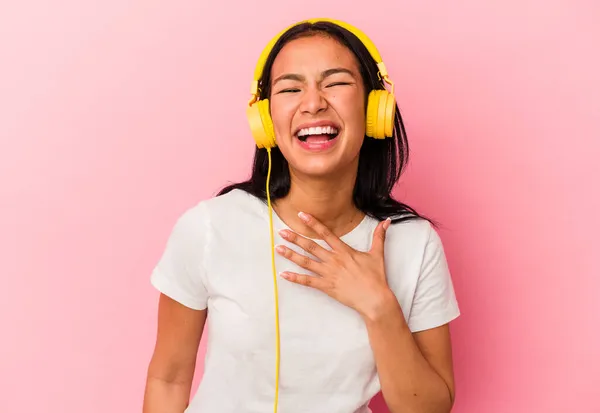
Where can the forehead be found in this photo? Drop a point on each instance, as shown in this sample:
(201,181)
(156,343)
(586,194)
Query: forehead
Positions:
(313,53)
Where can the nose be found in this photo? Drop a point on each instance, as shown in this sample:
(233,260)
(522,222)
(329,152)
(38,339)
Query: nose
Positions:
(313,101)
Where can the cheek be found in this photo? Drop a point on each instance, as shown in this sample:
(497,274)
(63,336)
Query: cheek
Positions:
(352,110)
(282,113)
(348,103)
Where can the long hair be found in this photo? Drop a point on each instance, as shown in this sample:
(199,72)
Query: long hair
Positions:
(381,161)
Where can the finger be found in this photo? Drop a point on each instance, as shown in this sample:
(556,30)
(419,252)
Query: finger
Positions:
(306,280)
(379,235)
(323,232)
(306,244)
(303,261)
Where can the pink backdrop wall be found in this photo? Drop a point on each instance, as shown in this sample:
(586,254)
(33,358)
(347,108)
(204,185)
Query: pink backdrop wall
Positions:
(116,116)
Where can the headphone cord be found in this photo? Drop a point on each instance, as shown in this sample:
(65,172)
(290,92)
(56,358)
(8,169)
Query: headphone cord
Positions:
(277,341)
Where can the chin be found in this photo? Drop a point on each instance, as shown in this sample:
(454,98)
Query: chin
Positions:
(318,168)
(319,159)
(314,171)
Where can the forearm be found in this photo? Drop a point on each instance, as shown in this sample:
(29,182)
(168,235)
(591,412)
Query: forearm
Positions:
(166,397)
(408,383)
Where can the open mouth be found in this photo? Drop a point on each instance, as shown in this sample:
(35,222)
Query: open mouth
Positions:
(317,134)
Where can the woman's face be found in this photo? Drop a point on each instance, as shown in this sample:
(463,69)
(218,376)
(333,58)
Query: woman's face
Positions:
(317,106)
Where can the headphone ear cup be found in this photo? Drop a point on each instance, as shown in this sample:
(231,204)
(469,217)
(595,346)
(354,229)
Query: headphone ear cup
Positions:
(371,116)
(261,124)
(390,115)
(381,110)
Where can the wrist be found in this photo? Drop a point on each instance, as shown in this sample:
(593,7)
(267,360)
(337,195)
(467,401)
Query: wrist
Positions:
(383,305)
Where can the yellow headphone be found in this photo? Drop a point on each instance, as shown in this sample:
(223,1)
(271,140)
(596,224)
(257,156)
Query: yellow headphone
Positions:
(381,110)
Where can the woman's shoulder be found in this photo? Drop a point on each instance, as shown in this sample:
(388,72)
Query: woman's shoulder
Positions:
(226,212)
(415,232)
(230,207)
(235,200)
(413,241)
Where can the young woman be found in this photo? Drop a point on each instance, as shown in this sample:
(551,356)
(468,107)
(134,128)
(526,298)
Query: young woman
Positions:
(361,303)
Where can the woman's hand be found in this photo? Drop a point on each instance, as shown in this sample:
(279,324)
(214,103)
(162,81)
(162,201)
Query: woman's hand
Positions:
(354,278)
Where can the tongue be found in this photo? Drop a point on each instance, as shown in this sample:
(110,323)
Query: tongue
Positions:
(317,138)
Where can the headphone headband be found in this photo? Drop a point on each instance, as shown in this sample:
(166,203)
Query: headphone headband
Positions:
(383,74)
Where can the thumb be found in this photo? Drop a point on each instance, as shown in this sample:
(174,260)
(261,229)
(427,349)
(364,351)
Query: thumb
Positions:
(379,236)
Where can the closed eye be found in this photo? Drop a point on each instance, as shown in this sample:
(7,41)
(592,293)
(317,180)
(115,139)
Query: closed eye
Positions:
(338,84)
(288,90)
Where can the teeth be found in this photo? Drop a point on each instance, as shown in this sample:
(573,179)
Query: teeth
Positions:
(319,130)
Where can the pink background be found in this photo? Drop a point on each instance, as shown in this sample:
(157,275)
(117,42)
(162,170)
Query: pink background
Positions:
(116,116)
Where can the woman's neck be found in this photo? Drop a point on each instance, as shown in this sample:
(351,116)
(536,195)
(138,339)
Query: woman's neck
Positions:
(331,202)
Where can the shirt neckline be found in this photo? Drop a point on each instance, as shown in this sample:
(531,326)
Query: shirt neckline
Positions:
(279,224)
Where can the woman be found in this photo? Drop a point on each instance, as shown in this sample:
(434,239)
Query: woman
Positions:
(363,301)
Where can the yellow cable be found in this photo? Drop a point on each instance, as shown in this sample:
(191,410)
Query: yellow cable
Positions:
(277,350)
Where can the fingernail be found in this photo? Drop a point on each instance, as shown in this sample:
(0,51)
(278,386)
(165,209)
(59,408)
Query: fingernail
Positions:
(284,275)
(387,223)
(303,216)
(280,249)
(283,233)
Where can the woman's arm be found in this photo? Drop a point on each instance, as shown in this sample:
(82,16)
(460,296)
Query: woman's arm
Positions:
(171,369)
(415,370)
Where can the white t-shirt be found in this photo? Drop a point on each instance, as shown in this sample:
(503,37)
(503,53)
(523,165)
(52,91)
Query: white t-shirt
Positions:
(218,257)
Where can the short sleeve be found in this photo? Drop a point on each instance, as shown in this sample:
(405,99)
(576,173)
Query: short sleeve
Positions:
(179,273)
(434,303)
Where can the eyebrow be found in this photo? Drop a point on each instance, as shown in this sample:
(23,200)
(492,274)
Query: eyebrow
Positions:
(324,74)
